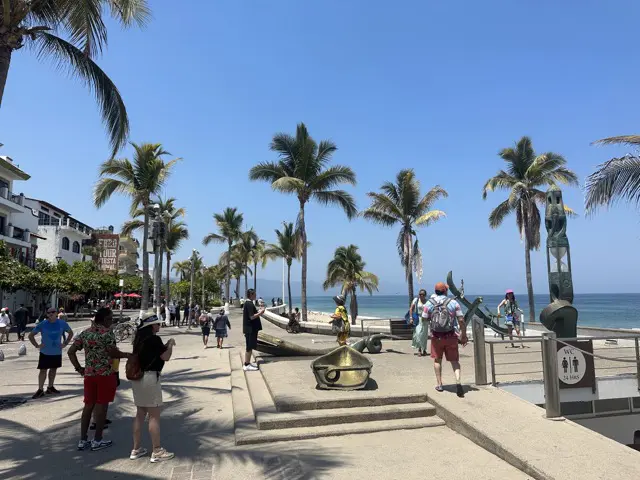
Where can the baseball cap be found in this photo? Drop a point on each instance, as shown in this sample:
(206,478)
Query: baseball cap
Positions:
(441,287)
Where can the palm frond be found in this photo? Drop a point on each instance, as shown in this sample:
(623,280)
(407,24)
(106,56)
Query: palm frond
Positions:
(213,238)
(429,218)
(267,171)
(430,198)
(617,179)
(498,214)
(339,198)
(332,177)
(630,140)
(382,204)
(112,108)
(130,227)
(501,181)
(105,188)
(288,185)
(83,20)
(130,12)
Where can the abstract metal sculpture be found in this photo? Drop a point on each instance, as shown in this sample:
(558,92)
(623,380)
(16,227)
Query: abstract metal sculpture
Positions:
(281,348)
(473,309)
(560,315)
(342,369)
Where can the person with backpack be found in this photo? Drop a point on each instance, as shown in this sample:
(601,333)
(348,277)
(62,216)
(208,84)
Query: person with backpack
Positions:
(444,314)
(421,327)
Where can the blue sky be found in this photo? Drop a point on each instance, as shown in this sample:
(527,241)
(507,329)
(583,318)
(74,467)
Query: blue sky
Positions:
(439,87)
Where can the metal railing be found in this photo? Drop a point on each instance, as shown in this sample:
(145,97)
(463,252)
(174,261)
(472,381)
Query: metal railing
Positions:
(545,367)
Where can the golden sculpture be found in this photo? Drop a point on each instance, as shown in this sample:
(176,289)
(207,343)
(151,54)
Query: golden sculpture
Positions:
(342,369)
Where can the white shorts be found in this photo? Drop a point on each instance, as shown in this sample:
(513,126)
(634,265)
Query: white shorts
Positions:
(147,392)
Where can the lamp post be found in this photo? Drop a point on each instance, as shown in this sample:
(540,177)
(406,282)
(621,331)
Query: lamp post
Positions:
(194,254)
(204,269)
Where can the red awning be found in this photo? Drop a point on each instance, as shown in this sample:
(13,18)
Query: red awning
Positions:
(133,295)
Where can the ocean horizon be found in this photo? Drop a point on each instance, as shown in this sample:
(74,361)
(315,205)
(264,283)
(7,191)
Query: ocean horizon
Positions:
(616,310)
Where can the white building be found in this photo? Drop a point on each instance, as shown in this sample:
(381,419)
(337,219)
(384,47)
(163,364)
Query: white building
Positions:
(18,227)
(62,234)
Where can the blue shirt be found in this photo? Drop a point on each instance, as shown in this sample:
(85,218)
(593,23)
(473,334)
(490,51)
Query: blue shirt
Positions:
(51,335)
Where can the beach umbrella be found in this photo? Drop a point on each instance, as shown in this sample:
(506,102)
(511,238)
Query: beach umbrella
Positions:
(133,295)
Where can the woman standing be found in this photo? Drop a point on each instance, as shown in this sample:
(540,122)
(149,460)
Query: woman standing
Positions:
(340,315)
(147,392)
(512,314)
(220,324)
(205,324)
(421,330)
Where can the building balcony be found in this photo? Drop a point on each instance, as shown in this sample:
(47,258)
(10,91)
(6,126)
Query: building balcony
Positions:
(15,236)
(11,201)
(66,224)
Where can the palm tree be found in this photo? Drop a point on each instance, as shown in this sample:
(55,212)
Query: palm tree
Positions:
(616,179)
(347,268)
(176,233)
(302,171)
(289,248)
(245,247)
(258,257)
(401,204)
(525,172)
(229,224)
(183,269)
(139,179)
(36,23)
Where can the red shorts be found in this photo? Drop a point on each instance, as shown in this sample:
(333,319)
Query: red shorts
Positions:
(447,345)
(100,389)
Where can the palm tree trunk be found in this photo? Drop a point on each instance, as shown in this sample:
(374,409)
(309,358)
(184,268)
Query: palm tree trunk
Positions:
(144,303)
(255,276)
(409,268)
(228,285)
(238,286)
(167,293)
(354,307)
(527,258)
(246,278)
(303,239)
(5,61)
(289,284)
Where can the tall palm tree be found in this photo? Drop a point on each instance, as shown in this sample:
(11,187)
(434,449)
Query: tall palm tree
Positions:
(401,203)
(176,233)
(258,257)
(525,172)
(244,248)
(347,268)
(616,179)
(139,180)
(304,172)
(37,24)
(175,230)
(229,224)
(289,247)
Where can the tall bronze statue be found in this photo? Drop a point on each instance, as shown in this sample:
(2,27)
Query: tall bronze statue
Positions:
(560,315)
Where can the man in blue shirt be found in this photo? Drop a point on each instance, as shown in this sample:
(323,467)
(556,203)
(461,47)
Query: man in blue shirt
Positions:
(51,332)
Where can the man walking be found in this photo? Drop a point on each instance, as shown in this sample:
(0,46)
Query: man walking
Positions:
(52,331)
(172,314)
(251,325)
(443,312)
(21,315)
(100,382)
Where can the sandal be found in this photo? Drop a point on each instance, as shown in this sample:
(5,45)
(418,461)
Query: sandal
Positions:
(439,388)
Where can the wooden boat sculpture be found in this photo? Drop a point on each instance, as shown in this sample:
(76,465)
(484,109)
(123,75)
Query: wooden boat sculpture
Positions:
(342,369)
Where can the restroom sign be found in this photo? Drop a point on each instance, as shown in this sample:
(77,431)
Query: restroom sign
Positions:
(575,368)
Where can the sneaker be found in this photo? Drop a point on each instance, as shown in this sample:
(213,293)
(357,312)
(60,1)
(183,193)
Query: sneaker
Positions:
(100,445)
(52,391)
(459,391)
(84,444)
(38,394)
(250,368)
(161,455)
(136,454)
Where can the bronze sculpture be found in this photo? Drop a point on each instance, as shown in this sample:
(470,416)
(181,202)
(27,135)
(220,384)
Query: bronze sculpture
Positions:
(473,309)
(281,348)
(344,368)
(560,315)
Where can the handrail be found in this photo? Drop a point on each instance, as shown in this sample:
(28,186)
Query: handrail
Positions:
(516,339)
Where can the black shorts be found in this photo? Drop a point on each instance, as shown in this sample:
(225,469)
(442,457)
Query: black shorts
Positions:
(206,331)
(45,362)
(251,339)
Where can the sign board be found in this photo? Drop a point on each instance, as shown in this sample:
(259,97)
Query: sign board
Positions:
(107,245)
(121,283)
(576,369)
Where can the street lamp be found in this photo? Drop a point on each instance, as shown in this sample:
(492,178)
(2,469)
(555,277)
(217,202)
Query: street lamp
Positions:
(194,255)
(204,269)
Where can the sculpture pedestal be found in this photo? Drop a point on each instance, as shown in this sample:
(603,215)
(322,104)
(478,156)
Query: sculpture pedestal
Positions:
(560,317)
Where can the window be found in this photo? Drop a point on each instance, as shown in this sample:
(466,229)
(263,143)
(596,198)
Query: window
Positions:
(76,247)
(65,243)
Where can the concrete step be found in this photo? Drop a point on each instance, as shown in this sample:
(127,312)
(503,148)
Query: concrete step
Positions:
(245,436)
(258,392)
(348,400)
(313,418)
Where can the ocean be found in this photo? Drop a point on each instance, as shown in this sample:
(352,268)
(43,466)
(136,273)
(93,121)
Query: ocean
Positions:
(595,310)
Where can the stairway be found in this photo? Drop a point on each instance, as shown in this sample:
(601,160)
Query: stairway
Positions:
(258,421)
